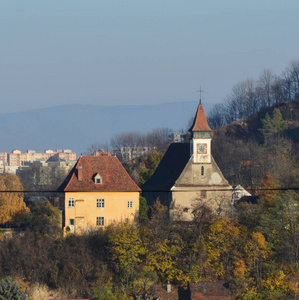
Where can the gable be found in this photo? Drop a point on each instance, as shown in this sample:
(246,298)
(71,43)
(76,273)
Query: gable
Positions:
(201,174)
(114,177)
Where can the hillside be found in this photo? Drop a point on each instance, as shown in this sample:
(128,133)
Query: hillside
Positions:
(245,159)
(248,128)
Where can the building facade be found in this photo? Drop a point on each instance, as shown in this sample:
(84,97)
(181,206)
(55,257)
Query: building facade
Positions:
(188,178)
(96,193)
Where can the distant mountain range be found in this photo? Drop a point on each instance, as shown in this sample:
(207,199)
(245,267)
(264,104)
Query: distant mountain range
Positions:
(78,126)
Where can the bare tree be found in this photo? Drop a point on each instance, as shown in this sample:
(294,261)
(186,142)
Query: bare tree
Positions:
(126,139)
(265,85)
(96,147)
(292,73)
(158,138)
(216,116)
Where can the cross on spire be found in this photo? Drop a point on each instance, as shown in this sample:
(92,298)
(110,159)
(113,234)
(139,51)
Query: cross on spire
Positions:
(200,91)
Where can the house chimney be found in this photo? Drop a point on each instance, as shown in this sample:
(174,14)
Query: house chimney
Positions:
(80,173)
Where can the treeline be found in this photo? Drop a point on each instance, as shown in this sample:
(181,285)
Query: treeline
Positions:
(157,139)
(250,96)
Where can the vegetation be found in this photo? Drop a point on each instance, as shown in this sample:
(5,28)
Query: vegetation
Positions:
(11,290)
(250,96)
(12,206)
(257,253)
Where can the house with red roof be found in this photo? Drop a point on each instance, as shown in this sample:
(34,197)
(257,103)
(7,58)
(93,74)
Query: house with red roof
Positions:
(188,179)
(96,193)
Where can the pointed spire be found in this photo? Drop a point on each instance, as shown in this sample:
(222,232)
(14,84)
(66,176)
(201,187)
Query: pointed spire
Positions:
(200,122)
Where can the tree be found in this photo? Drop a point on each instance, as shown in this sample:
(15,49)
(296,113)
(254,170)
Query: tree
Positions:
(10,290)
(150,165)
(43,219)
(216,117)
(143,209)
(273,126)
(12,206)
(265,84)
(94,148)
(127,250)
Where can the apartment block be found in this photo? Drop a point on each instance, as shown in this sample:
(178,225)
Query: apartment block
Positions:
(18,159)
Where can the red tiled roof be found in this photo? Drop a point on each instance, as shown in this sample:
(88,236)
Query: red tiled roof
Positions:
(114,176)
(200,121)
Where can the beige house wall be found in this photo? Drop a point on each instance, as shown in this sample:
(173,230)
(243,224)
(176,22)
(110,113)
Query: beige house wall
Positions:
(85,210)
(200,185)
(185,202)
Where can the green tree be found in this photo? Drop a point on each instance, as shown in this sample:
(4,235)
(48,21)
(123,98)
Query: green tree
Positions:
(43,219)
(273,126)
(10,290)
(150,165)
(143,209)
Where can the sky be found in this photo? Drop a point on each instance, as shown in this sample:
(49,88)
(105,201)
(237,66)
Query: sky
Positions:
(109,52)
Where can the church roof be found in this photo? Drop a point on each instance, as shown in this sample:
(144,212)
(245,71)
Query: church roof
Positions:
(114,176)
(200,121)
(169,169)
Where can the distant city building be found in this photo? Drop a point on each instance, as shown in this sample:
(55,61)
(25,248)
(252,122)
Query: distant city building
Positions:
(10,162)
(177,137)
(129,153)
(18,159)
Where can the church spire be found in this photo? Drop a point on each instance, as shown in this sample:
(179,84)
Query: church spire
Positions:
(200,122)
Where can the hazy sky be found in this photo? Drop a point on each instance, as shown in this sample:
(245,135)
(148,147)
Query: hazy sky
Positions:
(138,52)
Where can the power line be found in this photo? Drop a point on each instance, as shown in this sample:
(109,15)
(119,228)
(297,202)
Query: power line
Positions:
(166,191)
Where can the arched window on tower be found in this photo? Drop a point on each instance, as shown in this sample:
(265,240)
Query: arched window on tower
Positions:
(202,171)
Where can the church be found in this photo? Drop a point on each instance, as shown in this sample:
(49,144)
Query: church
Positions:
(188,179)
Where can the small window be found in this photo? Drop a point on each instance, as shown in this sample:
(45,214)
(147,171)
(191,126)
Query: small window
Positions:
(130,204)
(100,202)
(72,221)
(202,172)
(100,221)
(98,179)
(203,194)
(71,202)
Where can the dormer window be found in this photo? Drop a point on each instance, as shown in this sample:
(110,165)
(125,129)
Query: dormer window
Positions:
(98,179)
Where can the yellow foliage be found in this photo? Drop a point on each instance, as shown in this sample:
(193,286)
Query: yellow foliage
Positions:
(240,268)
(12,206)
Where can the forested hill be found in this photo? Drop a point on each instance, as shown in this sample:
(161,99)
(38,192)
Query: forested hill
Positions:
(265,143)
(249,128)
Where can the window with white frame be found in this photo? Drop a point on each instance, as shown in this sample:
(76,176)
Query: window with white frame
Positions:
(130,204)
(100,202)
(71,202)
(100,221)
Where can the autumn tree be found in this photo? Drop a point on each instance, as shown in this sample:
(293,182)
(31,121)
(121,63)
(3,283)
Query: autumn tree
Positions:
(150,165)
(12,206)
(127,250)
